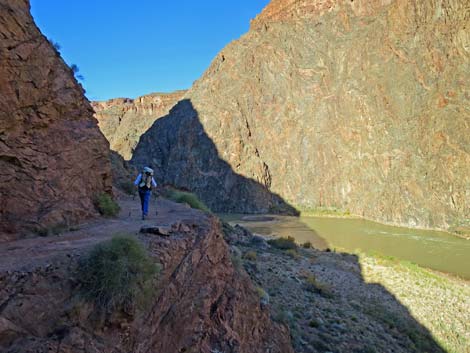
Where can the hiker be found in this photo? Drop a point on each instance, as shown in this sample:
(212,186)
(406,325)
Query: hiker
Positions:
(145,182)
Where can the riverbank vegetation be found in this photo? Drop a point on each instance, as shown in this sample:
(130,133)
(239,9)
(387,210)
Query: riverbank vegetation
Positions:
(324,212)
(333,301)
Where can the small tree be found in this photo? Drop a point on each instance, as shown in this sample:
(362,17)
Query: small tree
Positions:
(76,70)
(55,44)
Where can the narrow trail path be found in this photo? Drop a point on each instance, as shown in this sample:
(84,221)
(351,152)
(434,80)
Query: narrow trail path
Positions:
(26,253)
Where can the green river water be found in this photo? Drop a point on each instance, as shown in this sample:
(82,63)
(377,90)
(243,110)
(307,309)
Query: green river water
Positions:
(433,249)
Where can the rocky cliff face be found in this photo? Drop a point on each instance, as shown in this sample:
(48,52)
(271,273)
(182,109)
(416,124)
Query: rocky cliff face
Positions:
(357,105)
(182,154)
(53,158)
(201,302)
(124,120)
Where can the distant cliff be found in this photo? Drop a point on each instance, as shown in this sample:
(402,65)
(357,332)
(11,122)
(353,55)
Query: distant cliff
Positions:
(356,105)
(124,120)
(53,158)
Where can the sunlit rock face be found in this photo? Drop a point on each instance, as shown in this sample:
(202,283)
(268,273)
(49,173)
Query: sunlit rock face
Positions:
(53,158)
(358,105)
(124,120)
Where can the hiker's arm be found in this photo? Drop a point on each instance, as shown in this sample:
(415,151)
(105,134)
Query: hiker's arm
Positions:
(137,181)
(154,183)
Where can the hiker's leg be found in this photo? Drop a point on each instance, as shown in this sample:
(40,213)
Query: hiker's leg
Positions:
(142,200)
(146,202)
(156,210)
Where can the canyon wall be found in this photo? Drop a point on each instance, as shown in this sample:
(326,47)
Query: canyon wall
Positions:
(124,120)
(355,105)
(182,154)
(53,158)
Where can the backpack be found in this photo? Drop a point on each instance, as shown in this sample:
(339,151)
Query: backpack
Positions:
(147,175)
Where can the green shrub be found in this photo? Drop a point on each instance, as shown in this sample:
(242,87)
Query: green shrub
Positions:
(283,243)
(116,274)
(263,296)
(368,349)
(186,197)
(236,262)
(313,285)
(55,44)
(107,206)
(250,255)
(314,323)
(128,187)
(325,211)
(307,245)
(283,316)
(55,229)
(227,229)
(293,253)
(311,282)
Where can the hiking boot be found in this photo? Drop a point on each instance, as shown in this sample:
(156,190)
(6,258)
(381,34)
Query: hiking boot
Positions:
(143,217)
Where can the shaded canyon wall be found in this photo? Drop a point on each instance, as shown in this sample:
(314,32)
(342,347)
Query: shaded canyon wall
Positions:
(358,105)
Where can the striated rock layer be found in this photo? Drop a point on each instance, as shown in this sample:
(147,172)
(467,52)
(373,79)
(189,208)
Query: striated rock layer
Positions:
(200,303)
(124,120)
(53,158)
(357,105)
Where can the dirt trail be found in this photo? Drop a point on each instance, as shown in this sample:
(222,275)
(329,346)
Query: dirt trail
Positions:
(27,253)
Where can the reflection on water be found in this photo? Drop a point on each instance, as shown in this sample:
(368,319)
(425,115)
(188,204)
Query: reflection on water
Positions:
(437,250)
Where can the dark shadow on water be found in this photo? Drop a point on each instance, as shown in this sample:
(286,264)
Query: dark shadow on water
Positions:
(279,226)
(183,155)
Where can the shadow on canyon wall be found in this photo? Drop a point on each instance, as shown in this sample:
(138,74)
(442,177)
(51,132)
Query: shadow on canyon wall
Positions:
(183,155)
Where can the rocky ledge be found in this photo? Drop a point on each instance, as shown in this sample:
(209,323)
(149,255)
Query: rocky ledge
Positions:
(200,302)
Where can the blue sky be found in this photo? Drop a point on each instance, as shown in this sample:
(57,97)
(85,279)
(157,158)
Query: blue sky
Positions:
(129,48)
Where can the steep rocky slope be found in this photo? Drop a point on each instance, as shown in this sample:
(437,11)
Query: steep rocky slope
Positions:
(53,158)
(200,302)
(337,302)
(358,105)
(124,120)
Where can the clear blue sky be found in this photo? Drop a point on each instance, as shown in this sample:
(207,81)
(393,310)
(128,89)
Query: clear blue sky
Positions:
(129,48)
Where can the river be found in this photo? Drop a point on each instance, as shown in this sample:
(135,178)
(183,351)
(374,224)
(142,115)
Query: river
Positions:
(440,251)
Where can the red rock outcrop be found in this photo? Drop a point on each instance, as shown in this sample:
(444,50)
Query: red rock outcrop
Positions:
(124,120)
(354,105)
(201,302)
(53,158)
